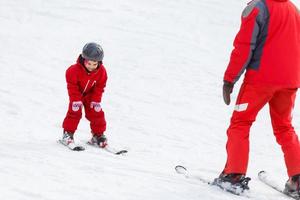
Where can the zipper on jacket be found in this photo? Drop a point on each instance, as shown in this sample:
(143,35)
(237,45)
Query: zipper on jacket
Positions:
(94,83)
(86,86)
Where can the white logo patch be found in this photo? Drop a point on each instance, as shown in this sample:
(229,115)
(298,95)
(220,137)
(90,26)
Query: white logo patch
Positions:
(97,108)
(241,107)
(76,105)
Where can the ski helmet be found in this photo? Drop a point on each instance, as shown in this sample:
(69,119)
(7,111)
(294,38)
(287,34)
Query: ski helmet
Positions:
(92,51)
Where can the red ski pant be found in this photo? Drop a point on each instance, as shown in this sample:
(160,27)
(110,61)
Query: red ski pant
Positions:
(250,101)
(95,116)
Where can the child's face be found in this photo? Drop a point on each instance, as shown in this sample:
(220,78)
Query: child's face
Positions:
(90,65)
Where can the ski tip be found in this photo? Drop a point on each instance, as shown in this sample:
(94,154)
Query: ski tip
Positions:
(78,148)
(262,175)
(180,169)
(121,152)
(261,172)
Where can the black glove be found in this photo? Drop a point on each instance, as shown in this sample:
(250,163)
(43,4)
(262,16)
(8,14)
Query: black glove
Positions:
(227,90)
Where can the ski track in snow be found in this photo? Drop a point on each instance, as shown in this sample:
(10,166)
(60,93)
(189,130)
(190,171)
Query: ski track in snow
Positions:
(165,62)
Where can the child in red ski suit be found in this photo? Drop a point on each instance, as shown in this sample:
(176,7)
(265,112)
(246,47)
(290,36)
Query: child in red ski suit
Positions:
(267,46)
(86,81)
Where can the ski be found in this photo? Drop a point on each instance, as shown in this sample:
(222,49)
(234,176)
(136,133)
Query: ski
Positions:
(73,146)
(78,147)
(110,149)
(264,178)
(183,170)
(115,151)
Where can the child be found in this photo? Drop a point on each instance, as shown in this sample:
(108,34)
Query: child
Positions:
(86,81)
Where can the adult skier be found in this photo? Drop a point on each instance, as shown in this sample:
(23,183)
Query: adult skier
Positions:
(267,46)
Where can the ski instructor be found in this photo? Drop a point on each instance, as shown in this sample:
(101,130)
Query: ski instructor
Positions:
(267,46)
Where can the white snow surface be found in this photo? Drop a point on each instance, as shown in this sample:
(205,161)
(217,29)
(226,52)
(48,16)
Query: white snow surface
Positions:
(163,102)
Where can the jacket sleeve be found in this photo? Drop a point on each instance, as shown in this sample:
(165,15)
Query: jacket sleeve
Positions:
(100,85)
(72,85)
(244,43)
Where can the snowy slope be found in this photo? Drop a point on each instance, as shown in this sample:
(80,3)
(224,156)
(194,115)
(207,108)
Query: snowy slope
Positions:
(165,61)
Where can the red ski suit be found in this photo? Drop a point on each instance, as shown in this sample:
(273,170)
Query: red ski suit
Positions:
(85,89)
(268,47)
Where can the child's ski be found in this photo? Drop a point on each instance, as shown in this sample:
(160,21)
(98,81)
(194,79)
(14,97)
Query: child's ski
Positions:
(115,151)
(73,146)
(110,149)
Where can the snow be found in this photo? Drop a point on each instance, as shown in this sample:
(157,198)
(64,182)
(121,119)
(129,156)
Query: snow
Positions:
(165,62)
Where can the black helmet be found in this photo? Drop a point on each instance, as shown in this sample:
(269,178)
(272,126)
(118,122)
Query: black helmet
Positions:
(92,51)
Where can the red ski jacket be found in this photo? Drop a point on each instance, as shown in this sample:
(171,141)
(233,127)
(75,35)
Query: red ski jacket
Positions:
(81,82)
(267,45)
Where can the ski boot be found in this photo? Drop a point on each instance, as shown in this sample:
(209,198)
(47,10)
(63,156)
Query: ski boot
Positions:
(68,141)
(67,138)
(292,187)
(234,183)
(98,140)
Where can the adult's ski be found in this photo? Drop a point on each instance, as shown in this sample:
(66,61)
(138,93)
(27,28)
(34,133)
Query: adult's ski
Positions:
(264,177)
(225,187)
(183,170)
